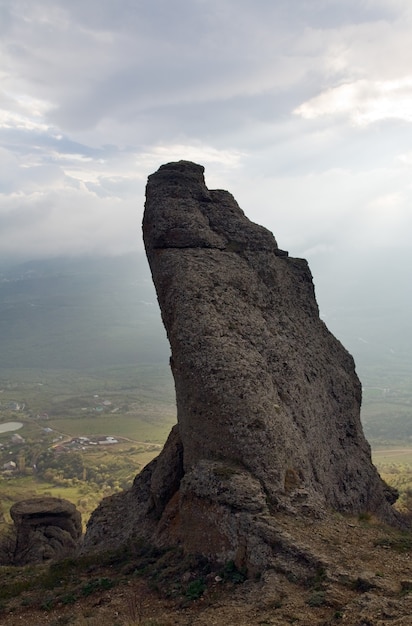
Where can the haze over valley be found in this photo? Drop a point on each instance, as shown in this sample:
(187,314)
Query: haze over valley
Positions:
(98,314)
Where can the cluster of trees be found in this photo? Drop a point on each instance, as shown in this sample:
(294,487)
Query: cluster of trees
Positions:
(73,468)
(399,476)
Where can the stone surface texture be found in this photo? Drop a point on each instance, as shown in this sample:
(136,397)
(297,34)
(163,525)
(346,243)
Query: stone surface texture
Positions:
(46,528)
(268,400)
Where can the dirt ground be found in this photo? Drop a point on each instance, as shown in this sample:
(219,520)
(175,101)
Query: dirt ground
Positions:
(367,581)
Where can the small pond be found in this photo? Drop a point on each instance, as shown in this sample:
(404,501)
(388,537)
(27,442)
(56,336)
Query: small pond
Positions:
(5,428)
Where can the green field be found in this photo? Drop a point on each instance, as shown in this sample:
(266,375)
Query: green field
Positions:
(129,427)
(395,467)
(84,477)
(132,403)
(399,456)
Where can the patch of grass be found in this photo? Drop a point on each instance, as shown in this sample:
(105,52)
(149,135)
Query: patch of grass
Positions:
(169,571)
(137,557)
(68,598)
(317,598)
(195,589)
(48,603)
(44,586)
(14,587)
(98,584)
(318,581)
(121,426)
(400,543)
(168,574)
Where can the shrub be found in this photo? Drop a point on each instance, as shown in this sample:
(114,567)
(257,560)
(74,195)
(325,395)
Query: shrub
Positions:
(317,599)
(195,589)
(98,584)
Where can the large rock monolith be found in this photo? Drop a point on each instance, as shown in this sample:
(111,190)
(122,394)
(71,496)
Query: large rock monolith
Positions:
(268,400)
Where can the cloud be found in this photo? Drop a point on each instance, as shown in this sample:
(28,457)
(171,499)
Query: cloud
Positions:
(310,219)
(363,101)
(96,61)
(23,113)
(76,222)
(199,153)
(302,110)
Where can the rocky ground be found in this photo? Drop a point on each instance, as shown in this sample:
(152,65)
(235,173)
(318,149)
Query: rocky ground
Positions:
(366,581)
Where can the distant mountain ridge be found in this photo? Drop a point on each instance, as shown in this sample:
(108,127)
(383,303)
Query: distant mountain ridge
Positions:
(76,313)
(108,306)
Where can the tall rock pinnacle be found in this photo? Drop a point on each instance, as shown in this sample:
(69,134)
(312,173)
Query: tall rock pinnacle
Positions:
(268,400)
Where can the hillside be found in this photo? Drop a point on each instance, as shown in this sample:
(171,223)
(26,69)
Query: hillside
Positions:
(365,579)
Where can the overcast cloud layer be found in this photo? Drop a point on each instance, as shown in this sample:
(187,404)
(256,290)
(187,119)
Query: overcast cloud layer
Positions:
(302,109)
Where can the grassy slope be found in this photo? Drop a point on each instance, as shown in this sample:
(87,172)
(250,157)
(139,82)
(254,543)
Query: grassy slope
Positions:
(365,580)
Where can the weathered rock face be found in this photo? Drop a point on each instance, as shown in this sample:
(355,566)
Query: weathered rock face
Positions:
(268,400)
(47,528)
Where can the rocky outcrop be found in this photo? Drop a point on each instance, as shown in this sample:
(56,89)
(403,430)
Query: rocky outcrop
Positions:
(46,528)
(268,400)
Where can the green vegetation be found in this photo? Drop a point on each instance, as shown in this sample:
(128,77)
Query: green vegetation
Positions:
(317,598)
(387,400)
(46,586)
(133,405)
(400,542)
(123,426)
(395,467)
(139,390)
(195,589)
(172,574)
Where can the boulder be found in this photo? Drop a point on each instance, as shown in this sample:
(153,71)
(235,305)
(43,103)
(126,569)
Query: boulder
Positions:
(46,528)
(268,400)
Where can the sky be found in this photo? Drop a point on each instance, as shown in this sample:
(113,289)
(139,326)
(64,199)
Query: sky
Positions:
(302,109)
